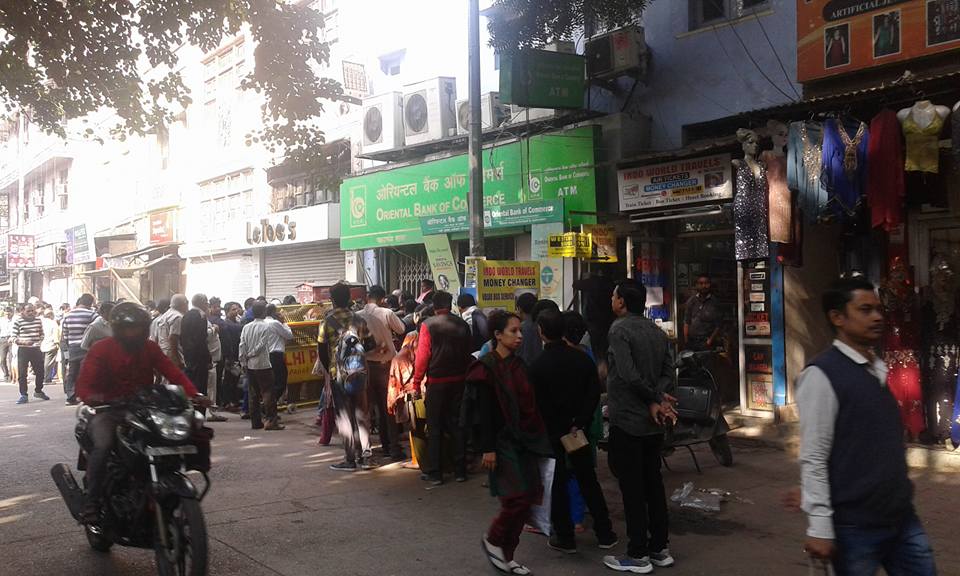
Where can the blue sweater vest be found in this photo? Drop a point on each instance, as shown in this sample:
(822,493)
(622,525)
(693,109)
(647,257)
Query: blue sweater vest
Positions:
(869,486)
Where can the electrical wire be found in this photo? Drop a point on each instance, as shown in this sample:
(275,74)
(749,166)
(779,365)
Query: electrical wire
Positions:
(756,65)
(783,68)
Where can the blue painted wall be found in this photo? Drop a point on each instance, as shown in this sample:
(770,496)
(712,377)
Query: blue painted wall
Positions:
(706,74)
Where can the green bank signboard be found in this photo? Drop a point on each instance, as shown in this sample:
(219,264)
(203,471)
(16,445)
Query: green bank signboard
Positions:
(386,208)
(543,79)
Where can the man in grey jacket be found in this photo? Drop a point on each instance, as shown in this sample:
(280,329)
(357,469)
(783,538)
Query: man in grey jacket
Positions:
(641,371)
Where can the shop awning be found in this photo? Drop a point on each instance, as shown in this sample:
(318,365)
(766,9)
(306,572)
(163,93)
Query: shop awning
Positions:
(128,271)
(900,92)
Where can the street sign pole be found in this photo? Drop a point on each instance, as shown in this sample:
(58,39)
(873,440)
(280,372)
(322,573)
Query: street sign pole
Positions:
(476,133)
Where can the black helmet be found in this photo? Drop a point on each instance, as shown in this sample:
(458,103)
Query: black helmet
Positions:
(125,316)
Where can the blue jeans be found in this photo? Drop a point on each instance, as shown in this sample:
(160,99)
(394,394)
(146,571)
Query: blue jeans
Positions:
(902,551)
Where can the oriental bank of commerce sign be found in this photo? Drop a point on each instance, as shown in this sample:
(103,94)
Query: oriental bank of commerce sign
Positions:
(385,208)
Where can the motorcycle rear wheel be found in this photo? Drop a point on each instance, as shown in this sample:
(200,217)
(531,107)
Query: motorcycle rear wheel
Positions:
(97,540)
(187,535)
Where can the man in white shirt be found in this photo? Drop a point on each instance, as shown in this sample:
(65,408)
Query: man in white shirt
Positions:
(255,359)
(383,324)
(6,330)
(50,345)
(168,329)
(277,340)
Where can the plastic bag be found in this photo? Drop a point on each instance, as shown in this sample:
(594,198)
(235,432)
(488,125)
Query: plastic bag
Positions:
(706,502)
(540,514)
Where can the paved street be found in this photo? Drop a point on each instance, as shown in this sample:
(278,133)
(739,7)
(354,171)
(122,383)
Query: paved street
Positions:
(276,509)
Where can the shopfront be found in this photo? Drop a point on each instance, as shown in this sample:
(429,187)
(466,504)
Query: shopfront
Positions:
(546,180)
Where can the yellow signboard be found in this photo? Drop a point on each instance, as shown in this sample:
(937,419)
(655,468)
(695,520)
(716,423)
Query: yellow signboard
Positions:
(569,245)
(499,282)
(604,242)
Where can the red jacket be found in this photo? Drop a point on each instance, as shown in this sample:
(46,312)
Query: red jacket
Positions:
(443,350)
(109,372)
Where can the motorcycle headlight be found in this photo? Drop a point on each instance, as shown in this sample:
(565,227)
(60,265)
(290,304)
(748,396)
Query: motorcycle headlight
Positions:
(174,427)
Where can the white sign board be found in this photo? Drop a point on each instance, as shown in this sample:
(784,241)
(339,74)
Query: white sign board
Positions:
(676,183)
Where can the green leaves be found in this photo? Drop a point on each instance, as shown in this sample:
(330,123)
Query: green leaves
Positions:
(62,60)
(531,23)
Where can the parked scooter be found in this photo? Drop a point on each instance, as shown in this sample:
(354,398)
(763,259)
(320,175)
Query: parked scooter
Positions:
(699,410)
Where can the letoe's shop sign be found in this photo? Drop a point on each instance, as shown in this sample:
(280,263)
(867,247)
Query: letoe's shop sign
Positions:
(267,232)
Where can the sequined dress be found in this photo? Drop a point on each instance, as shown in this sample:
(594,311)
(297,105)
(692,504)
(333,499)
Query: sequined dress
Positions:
(900,343)
(751,235)
(804,158)
(939,357)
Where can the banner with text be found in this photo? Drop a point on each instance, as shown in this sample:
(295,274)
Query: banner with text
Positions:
(551,269)
(499,282)
(569,245)
(387,208)
(78,245)
(442,263)
(603,243)
(21,252)
(676,183)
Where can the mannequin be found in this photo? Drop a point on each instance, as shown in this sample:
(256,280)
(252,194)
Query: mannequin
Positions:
(779,195)
(751,233)
(922,124)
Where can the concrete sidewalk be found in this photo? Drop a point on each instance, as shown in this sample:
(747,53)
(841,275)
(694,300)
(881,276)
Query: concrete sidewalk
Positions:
(277,509)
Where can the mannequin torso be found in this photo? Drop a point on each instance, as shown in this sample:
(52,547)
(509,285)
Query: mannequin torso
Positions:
(924,113)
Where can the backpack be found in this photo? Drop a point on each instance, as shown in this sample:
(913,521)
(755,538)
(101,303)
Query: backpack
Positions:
(350,357)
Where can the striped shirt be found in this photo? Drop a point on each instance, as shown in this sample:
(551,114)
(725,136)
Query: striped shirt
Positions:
(28,331)
(75,323)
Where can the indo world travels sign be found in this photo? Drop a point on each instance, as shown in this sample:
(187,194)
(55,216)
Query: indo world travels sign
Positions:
(688,181)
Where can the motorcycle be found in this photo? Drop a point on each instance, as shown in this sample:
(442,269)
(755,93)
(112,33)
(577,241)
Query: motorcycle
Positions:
(148,499)
(699,410)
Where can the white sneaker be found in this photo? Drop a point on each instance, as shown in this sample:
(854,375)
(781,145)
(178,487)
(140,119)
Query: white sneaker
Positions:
(662,558)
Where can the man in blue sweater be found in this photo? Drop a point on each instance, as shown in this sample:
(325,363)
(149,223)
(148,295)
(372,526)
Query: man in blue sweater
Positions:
(855,489)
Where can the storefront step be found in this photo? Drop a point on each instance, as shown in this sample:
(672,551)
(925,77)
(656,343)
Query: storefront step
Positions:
(752,431)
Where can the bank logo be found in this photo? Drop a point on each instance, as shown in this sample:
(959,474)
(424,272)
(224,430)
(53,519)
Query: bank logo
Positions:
(536,188)
(358,206)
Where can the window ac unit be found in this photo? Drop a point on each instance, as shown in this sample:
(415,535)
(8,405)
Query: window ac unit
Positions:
(519,114)
(382,124)
(492,113)
(617,53)
(429,110)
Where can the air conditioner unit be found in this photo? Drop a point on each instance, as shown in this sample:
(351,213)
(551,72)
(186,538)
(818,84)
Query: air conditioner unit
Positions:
(492,113)
(382,124)
(617,53)
(519,114)
(429,110)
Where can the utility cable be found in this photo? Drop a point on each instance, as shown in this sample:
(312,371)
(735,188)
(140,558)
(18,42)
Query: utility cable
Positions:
(783,68)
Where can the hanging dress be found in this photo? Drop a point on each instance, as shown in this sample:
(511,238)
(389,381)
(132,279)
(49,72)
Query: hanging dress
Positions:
(923,144)
(899,346)
(885,186)
(844,166)
(804,159)
(778,199)
(751,237)
(939,351)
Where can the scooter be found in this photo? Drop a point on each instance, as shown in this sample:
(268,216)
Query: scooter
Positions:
(699,410)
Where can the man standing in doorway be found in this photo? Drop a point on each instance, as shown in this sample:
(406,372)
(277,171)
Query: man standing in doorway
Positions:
(74,325)
(443,356)
(702,317)
(855,489)
(640,374)
(27,334)
(6,331)
(384,325)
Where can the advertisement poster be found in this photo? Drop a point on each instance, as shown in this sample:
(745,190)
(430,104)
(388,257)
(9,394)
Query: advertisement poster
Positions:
(499,282)
(760,390)
(756,295)
(387,208)
(21,252)
(161,227)
(603,243)
(78,246)
(841,36)
(569,245)
(693,180)
(551,269)
(442,264)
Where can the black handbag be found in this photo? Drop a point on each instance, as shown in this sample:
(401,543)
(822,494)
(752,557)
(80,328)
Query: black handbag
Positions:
(693,402)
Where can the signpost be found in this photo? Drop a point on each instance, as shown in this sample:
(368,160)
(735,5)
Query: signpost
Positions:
(603,240)
(442,263)
(499,282)
(543,79)
(689,181)
(569,245)
(21,252)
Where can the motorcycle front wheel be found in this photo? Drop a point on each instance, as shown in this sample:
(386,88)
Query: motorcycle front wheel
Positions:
(186,553)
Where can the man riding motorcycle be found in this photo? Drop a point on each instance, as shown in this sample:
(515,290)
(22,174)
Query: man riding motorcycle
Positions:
(114,371)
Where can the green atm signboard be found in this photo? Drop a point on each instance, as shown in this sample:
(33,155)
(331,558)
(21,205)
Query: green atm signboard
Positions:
(386,208)
(543,79)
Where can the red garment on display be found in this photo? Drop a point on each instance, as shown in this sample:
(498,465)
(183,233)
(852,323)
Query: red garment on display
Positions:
(885,185)
(779,202)
(900,342)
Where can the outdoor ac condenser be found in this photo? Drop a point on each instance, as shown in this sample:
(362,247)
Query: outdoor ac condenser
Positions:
(492,113)
(429,110)
(382,124)
(617,53)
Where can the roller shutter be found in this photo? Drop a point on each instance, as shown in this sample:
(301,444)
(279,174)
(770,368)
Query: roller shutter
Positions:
(286,267)
(228,276)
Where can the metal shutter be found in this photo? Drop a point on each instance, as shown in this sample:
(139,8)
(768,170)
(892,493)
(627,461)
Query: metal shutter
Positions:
(286,267)
(227,276)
